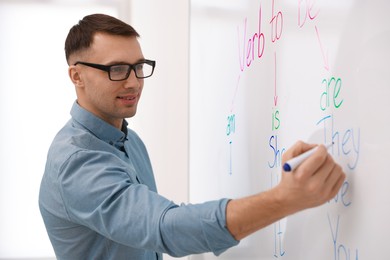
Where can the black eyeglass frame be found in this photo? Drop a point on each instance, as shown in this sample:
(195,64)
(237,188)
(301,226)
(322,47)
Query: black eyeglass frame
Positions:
(131,67)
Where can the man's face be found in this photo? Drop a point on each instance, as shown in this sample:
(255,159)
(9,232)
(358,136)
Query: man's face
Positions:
(112,101)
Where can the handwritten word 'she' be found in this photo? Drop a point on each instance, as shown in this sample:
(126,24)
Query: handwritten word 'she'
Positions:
(277,152)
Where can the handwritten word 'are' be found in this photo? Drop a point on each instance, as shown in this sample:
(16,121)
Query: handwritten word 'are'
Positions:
(331,93)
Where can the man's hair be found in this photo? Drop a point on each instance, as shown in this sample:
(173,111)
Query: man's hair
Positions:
(81,35)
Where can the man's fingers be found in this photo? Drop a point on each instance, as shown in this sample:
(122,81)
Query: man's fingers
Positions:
(312,165)
(336,180)
(297,149)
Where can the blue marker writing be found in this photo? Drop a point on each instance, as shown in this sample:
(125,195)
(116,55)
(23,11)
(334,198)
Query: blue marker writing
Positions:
(291,164)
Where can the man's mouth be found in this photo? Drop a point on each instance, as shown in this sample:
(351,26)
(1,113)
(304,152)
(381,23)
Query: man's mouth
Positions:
(127,98)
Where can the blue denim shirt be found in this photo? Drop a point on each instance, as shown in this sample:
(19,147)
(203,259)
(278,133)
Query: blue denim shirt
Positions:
(98,199)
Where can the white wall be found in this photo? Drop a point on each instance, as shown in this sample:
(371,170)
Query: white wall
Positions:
(162,117)
(162,120)
(35,99)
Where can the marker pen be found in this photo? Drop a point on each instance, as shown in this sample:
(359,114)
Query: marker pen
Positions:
(291,164)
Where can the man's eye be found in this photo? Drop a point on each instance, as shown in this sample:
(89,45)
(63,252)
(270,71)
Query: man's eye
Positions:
(119,69)
(139,66)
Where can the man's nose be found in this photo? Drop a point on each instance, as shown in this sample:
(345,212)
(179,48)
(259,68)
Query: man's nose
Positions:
(132,81)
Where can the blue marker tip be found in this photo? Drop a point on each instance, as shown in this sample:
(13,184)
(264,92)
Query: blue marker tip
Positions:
(286,167)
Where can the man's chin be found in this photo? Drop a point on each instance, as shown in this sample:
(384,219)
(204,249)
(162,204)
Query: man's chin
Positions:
(130,114)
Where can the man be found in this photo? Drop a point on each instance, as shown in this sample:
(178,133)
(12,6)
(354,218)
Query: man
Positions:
(98,196)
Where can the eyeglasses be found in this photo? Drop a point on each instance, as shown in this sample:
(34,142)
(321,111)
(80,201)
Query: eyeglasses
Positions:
(118,72)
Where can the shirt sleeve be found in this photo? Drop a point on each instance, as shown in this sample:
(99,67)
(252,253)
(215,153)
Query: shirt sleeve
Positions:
(102,193)
(197,228)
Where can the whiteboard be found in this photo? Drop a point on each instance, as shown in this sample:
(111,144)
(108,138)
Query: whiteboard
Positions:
(264,74)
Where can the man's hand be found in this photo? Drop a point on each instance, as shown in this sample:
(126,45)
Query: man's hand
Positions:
(312,183)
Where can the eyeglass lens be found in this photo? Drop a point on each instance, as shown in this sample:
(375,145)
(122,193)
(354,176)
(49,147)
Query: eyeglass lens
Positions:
(121,72)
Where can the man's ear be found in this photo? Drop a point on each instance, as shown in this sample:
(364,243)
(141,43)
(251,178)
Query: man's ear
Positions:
(75,76)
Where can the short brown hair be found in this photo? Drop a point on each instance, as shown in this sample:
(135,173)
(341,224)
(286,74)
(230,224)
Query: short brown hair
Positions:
(80,36)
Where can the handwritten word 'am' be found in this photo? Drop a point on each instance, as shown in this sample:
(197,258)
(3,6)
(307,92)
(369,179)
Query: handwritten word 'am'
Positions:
(231,124)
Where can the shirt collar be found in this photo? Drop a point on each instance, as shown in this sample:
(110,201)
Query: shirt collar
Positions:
(98,127)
